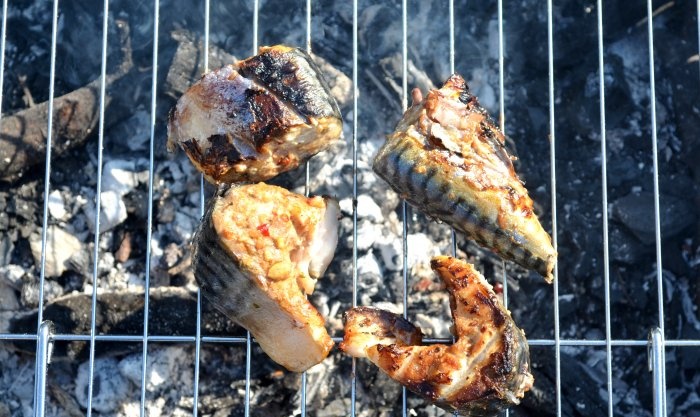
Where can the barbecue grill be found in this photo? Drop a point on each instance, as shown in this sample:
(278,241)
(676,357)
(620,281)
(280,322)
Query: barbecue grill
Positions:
(656,344)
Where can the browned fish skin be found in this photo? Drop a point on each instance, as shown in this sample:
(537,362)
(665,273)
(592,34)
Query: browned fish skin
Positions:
(251,121)
(447,158)
(487,368)
(256,256)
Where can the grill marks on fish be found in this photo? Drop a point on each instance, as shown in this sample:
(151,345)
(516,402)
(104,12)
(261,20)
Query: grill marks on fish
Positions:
(273,112)
(447,158)
(486,369)
(284,71)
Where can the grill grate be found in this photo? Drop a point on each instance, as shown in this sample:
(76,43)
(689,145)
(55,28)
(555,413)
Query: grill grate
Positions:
(656,344)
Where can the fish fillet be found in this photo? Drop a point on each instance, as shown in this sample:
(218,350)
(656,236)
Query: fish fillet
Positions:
(251,121)
(487,368)
(447,158)
(256,256)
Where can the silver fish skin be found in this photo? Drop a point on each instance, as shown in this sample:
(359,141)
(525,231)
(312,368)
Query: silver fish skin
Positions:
(448,159)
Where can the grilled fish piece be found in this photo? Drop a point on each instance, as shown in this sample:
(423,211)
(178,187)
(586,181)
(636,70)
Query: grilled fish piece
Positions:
(251,121)
(487,368)
(447,158)
(256,256)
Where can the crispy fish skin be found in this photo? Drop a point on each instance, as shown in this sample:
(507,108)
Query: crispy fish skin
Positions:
(250,121)
(447,158)
(487,368)
(256,256)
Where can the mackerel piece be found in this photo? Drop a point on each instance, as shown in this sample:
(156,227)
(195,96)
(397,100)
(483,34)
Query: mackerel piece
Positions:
(447,158)
(486,370)
(251,121)
(257,255)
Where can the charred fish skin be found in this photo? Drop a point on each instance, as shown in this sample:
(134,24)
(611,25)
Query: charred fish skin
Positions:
(252,259)
(251,121)
(486,370)
(448,159)
(291,74)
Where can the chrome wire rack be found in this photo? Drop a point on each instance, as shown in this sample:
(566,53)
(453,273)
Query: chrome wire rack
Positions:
(656,344)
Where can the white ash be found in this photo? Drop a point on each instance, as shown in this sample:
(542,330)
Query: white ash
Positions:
(163,366)
(8,298)
(57,206)
(366,208)
(60,246)
(109,386)
(119,177)
(367,235)
(17,383)
(12,275)
(123,176)
(420,249)
(30,292)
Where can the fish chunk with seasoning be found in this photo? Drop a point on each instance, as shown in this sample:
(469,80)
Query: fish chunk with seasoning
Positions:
(486,369)
(257,255)
(251,121)
(448,159)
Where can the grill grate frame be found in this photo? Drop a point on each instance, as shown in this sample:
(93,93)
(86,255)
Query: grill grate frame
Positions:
(656,343)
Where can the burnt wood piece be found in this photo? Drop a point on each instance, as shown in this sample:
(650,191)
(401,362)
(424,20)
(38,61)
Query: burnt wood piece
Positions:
(75,118)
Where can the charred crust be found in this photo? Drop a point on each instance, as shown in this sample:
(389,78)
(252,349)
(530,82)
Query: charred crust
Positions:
(292,75)
(425,388)
(497,316)
(269,117)
(390,324)
(217,160)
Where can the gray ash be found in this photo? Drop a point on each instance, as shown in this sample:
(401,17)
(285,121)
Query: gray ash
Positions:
(122,243)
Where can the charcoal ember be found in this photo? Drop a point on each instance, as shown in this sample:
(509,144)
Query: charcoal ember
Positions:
(172,311)
(624,247)
(580,395)
(636,212)
(187,65)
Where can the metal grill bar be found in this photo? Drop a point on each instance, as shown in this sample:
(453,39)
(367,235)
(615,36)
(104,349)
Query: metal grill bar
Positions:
(502,117)
(404,205)
(302,399)
(120,338)
(604,190)
(660,352)
(198,328)
(657,365)
(246,400)
(502,125)
(98,205)
(355,96)
(40,367)
(149,221)
(43,358)
(553,178)
(3,35)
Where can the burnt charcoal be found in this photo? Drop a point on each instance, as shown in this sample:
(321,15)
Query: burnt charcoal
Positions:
(624,247)
(172,311)
(636,212)
(580,395)
(188,62)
